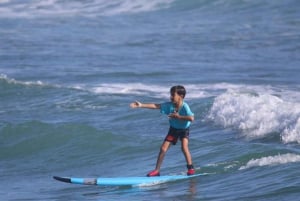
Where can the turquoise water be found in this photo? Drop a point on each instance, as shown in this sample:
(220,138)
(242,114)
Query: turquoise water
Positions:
(70,69)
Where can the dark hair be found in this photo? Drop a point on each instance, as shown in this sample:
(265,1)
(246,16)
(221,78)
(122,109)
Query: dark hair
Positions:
(180,90)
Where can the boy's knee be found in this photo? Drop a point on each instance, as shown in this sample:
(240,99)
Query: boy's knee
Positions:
(164,147)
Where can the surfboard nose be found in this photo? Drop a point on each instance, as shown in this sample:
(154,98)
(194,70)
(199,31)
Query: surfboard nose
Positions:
(63,179)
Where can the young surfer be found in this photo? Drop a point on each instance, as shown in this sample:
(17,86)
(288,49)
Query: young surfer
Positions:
(180,118)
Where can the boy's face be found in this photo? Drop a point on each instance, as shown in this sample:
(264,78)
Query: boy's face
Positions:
(175,97)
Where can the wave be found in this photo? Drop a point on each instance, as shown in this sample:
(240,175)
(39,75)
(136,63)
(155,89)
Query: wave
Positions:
(272,160)
(5,79)
(258,115)
(35,139)
(243,162)
(257,111)
(288,94)
(195,91)
(7,82)
(152,90)
(12,8)
(94,8)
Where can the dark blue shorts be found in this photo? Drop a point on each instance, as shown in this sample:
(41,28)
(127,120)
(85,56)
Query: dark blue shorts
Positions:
(175,133)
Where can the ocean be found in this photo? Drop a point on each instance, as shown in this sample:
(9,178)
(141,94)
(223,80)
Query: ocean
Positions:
(70,69)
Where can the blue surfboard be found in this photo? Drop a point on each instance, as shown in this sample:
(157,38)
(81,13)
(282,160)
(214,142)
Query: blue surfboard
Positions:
(125,181)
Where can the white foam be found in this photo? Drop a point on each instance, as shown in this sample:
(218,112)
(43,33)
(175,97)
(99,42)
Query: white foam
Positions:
(258,114)
(195,91)
(135,6)
(272,160)
(13,81)
(158,91)
(132,88)
(292,133)
(38,8)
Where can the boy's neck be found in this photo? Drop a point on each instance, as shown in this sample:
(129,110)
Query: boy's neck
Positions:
(178,105)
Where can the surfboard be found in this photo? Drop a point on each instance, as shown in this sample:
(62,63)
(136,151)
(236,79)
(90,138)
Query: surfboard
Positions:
(125,181)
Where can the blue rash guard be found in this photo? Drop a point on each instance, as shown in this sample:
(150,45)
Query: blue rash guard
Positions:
(168,108)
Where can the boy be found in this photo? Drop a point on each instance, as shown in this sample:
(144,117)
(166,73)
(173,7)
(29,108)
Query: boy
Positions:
(180,118)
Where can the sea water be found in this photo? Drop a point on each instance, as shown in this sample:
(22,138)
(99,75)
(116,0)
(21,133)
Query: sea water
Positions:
(70,69)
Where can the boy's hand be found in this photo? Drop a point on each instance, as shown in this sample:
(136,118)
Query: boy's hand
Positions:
(174,115)
(135,104)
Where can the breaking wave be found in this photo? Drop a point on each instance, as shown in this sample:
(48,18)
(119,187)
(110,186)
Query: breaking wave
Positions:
(34,8)
(272,160)
(258,115)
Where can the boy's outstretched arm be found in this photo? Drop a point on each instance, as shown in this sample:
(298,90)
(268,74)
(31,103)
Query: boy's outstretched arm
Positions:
(138,104)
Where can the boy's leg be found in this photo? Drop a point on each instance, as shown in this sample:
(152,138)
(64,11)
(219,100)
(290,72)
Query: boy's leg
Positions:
(163,150)
(186,151)
(187,155)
